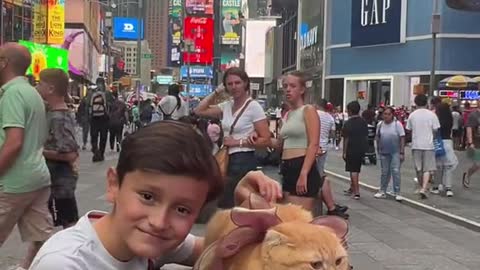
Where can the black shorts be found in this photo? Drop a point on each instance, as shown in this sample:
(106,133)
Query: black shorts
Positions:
(290,170)
(64,211)
(353,162)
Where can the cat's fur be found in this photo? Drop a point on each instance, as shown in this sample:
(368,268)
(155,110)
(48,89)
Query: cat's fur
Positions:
(293,244)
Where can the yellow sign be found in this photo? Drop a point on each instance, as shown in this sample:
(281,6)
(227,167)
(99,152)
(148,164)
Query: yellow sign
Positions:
(40,23)
(56,24)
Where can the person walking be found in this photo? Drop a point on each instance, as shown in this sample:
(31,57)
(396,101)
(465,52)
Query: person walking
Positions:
(390,137)
(24,176)
(472,143)
(84,121)
(100,102)
(172,107)
(117,120)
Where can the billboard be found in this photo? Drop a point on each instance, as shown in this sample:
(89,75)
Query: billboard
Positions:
(229,59)
(175,56)
(44,56)
(199,7)
(127,28)
(175,20)
(199,90)
(48,21)
(200,31)
(231,26)
(255,50)
(378,22)
(197,72)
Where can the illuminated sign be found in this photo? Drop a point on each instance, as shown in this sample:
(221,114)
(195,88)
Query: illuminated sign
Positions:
(126,28)
(200,31)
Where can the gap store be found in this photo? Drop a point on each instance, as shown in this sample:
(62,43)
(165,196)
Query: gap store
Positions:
(380,51)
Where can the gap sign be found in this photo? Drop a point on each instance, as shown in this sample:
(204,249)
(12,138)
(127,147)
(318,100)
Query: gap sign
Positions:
(377,22)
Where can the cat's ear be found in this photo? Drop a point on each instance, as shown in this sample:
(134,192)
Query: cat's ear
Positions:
(274,238)
(260,220)
(337,224)
(256,201)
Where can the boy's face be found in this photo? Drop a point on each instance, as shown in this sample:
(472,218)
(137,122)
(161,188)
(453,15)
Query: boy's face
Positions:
(45,89)
(154,212)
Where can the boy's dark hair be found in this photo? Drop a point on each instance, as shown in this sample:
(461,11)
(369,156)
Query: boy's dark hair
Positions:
(170,147)
(58,78)
(353,108)
(421,100)
(322,103)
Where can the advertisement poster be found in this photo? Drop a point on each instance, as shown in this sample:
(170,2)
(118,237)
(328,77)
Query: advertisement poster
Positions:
(175,56)
(40,23)
(200,32)
(56,21)
(127,28)
(44,56)
(228,60)
(231,26)
(175,20)
(199,7)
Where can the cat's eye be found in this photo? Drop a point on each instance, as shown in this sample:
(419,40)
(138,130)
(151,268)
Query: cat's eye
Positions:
(317,265)
(338,261)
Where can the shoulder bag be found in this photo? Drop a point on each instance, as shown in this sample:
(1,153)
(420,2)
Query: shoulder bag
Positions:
(222,156)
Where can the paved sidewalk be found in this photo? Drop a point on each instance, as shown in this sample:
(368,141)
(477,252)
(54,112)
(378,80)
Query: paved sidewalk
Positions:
(465,202)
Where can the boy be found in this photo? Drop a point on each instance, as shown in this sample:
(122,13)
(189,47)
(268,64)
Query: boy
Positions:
(355,132)
(61,148)
(164,176)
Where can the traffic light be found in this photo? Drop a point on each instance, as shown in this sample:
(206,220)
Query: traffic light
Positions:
(468,5)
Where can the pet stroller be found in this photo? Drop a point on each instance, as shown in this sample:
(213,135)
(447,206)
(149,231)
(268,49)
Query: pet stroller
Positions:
(371,154)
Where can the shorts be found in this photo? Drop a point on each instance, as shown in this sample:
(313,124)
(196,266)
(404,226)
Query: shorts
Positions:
(353,162)
(29,211)
(290,170)
(321,160)
(424,160)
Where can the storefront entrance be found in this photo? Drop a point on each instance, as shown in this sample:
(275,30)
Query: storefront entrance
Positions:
(367,91)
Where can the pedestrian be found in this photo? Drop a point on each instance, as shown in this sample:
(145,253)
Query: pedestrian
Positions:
(136,116)
(172,106)
(424,125)
(447,163)
(156,199)
(61,148)
(84,121)
(472,144)
(100,102)
(457,127)
(242,118)
(146,112)
(24,176)
(118,118)
(355,132)
(390,137)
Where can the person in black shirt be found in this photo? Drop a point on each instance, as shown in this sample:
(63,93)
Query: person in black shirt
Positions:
(355,132)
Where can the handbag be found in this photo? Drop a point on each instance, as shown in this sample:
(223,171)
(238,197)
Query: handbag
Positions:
(439,147)
(222,156)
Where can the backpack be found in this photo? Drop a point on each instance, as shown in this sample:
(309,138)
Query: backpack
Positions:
(168,116)
(98,104)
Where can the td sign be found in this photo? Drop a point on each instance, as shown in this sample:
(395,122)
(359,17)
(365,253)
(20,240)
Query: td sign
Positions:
(378,22)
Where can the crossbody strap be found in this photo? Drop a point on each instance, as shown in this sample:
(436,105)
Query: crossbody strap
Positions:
(238,116)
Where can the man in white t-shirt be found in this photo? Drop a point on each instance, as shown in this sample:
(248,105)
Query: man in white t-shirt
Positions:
(327,131)
(424,125)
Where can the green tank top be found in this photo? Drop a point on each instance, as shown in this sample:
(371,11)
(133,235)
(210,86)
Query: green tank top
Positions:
(294,131)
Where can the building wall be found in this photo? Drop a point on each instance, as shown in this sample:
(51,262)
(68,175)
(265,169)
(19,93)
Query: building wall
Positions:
(129,49)
(16,22)
(157,32)
(86,14)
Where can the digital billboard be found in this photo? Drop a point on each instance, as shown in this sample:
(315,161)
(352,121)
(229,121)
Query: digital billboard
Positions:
(127,28)
(44,56)
(231,25)
(200,31)
(196,72)
(199,7)
(175,20)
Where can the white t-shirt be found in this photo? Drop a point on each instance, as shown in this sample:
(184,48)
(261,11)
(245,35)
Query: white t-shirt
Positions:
(169,105)
(79,248)
(457,118)
(422,123)
(244,127)
(327,124)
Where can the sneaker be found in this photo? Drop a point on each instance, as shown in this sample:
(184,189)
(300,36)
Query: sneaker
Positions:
(435,190)
(348,192)
(338,213)
(398,198)
(465,180)
(341,208)
(449,193)
(380,195)
(356,197)
(423,194)
(118,147)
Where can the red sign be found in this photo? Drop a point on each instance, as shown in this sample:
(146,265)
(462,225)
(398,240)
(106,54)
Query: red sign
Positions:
(200,32)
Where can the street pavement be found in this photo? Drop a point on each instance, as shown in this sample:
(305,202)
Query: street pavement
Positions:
(384,235)
(465,202)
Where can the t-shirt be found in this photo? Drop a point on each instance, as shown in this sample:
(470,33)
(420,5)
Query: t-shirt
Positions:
(389,137)
(356,130)
(473,122)
(244,127)
(79,248)
(457,118)
(22,107)
(327,124)
(169,105)
(422,123)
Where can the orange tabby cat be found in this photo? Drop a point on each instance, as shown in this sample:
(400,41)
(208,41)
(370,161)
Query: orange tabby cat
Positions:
(279,238)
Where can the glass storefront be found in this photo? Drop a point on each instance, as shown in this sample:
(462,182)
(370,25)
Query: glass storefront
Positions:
(16,21)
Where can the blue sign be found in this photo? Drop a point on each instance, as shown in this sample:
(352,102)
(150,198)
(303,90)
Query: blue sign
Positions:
(126,28)
(197,72)
(377,22)
(199,90)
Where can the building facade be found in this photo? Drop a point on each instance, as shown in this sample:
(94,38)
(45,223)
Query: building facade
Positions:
(16,21)
(156,32)
(129,51)
(377,52)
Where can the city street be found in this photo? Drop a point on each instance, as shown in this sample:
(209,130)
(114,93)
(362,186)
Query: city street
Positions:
(383,235)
